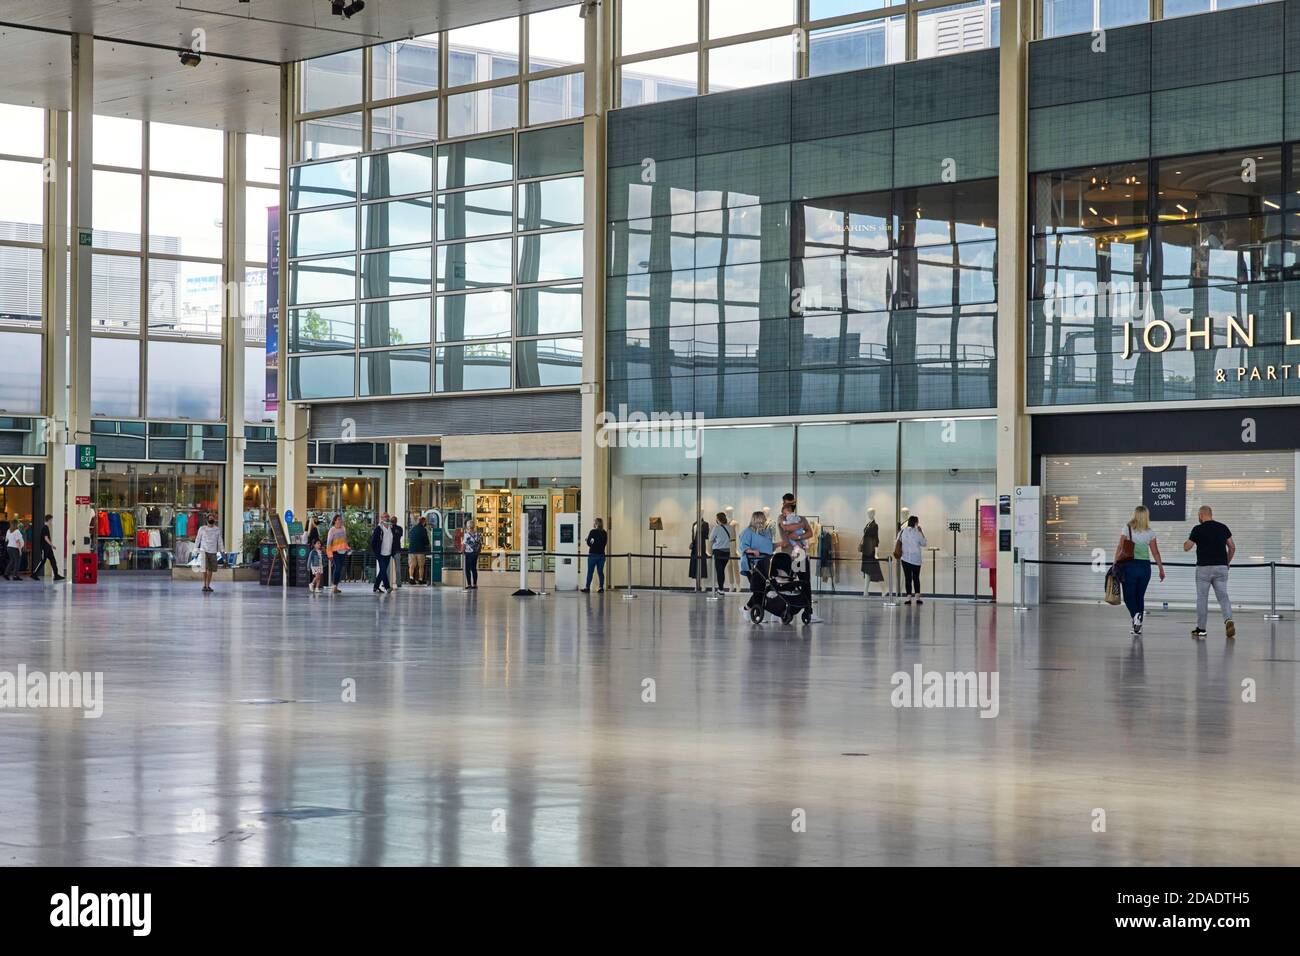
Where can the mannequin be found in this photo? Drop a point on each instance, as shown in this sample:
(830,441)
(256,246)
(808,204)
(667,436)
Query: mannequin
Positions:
(870,563)
(733,566)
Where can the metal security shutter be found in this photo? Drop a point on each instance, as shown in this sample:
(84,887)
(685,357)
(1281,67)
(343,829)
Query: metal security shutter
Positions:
(1088,499)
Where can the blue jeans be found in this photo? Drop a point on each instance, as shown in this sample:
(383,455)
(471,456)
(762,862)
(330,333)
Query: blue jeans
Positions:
(381,576)
(1134,581)
(596,564)
(336,568)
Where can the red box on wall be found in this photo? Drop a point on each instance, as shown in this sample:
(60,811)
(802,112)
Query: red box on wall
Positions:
(85,568)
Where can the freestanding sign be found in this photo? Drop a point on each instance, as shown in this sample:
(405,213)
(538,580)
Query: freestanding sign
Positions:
(1164,492)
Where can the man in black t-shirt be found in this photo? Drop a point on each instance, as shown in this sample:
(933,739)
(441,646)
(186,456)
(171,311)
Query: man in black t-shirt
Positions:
(597,539)
(1214,551)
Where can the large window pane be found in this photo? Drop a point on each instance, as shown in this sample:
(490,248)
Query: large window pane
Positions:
(322,280)
(555,38)
(262,158)
(323,329)
(255,387)
(476,162)
(115,293)
(405,67)
(22,197)
(752,64)
(20,385)
(658,24)
(397,174)
(556,98)
(21,289)
(1236,183)
(321,376)
(1120,13)
(401,223)
(463,368)
(331,81)
(257,206)
(396,273)
(549,152)
(404,123)
(185,297)
(553,202)
(478,212)
(470,265)
(727,18)
(320,233)
(402,372)
(184,380)
(548,362)
(857,46)
(655,81)
(400,322)
(1092,197)
(330,136)
(483,315)
(24,128)
(1061,17)
(549,309)
(323,184)
(115,377)
(482,111)
(255,304)
(118,142)
(186,149)
(486,51)
(184,217)
(550,256)
(961,212)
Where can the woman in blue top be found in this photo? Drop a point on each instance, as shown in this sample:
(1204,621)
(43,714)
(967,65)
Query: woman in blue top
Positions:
(756,554)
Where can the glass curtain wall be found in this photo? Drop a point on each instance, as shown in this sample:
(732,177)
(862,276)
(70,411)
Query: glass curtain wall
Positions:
(669,49)
(1062,17)
(22,224)
(844,475)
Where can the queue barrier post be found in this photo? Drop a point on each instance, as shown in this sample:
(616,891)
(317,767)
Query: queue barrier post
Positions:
(1272,614)
(1020,605)
(628,594)
(891,599)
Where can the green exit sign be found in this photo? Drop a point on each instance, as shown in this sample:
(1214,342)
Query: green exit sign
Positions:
(83,237)
(86,457)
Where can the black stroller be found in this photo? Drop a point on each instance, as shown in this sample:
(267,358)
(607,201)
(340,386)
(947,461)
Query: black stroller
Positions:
(777,590)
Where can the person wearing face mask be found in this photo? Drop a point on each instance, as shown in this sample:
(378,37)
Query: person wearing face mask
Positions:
(385,542)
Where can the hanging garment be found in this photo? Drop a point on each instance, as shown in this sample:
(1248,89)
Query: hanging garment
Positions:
(181,524)
(102,527)
(870,542)
(142,538)
(192,525)
(128,523)
(155,538)
(695,567)
(115,529)
(153,517)
(826,555)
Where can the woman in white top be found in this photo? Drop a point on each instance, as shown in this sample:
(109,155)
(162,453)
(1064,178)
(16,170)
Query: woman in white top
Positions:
(1135,573)
(912,538)
(720,545)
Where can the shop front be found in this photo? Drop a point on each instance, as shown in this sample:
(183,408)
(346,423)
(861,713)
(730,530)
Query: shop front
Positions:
(148,515)
(357,491)
(259,497)
(1094,469)
(856,482)
(22,498)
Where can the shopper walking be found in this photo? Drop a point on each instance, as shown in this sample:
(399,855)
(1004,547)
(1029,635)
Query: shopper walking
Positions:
(756,557)
(1214,552)
(208,543)
(336,549)
(399,553)
(910,547)
(419,546)
(385,542)
(720,545)
(47,552)
(597,539)
(14,543)
(471,545)
(1136,549)
(311,537)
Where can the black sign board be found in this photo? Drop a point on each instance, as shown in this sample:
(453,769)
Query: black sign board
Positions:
(1164,492)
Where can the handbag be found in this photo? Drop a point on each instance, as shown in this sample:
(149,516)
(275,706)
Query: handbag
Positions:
(1126,546)
(898,547)
(1112,585)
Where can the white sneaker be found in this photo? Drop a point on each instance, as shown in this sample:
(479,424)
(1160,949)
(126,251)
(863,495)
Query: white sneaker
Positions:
(815,619)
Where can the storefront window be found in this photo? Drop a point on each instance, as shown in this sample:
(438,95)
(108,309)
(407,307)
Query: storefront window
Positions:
(948,471)
(147,516)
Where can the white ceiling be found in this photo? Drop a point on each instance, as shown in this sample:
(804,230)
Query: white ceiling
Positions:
(238,94)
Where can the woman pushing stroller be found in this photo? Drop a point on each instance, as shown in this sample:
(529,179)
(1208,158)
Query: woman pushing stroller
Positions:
(756,557)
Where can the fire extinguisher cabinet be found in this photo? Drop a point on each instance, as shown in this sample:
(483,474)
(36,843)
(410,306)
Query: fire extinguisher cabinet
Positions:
(85,568)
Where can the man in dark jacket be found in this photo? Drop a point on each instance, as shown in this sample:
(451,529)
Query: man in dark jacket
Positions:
(385,544)
(419,546)
(597,538)
(46,548)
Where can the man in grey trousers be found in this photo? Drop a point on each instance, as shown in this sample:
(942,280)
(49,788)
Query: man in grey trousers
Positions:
(1214,551)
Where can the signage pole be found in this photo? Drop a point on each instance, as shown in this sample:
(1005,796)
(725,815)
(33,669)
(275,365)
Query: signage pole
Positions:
(524,589)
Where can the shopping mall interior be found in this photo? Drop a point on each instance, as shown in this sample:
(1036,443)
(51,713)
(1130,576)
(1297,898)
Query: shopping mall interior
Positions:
(973,282)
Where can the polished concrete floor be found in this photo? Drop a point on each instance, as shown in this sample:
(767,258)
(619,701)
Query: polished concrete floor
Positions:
(492,730)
